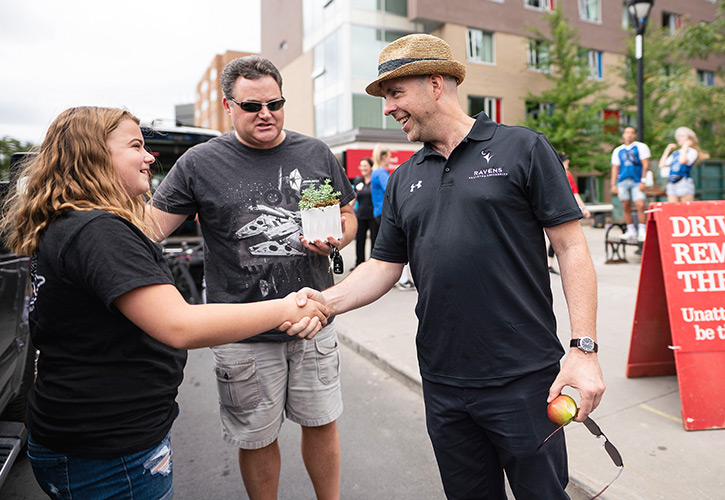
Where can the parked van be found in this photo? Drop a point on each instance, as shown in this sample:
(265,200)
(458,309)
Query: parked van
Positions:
(17,355)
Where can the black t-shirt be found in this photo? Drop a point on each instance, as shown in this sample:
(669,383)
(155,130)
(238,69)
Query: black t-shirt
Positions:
(104,387)
(247,200)
(364,208)
(472,228)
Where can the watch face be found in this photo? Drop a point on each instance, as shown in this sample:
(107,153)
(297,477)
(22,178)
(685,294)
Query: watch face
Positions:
(586,344)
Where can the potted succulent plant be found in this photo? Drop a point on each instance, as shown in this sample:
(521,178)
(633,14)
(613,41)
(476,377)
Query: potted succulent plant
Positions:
(320,209)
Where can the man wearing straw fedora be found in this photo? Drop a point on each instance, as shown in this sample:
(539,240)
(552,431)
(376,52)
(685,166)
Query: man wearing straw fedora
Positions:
(469,211)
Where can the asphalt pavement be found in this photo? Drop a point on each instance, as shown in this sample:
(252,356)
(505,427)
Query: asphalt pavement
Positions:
(641,416)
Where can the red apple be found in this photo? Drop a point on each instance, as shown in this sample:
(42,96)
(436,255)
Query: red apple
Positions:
(562,409)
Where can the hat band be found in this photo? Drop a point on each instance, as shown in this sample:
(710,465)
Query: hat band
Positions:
(394,64)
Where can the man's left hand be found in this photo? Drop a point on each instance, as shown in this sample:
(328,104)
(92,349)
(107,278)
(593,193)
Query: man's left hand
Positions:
(582,372)
(324,247)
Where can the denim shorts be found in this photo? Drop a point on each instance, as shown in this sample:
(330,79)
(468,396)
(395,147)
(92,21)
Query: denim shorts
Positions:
(628,190)
(146,475)
(260,382)
(683,187)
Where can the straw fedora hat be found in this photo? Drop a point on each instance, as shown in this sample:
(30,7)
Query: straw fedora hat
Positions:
(413,55)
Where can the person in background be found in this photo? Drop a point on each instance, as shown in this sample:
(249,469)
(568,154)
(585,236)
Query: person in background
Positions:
(680,158)
(366,221)
(109,324)
(379,178)
(246,186)
(381,160)
(564,158)
(630,163)
(469,211)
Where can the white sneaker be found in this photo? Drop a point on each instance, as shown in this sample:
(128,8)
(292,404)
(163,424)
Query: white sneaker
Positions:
(630,235)
(408,285)
(641,235)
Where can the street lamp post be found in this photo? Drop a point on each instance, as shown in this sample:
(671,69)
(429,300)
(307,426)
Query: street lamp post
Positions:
(639,12)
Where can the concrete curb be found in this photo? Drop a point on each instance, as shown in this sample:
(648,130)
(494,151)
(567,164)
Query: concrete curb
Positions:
(386,363)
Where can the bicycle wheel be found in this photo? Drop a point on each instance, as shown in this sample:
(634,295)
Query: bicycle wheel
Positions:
(185,284)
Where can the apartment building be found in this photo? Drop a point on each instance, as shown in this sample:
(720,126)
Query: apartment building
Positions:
(208,108)
(327,52)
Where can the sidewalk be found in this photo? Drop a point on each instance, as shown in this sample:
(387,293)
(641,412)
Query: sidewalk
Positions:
(641,417)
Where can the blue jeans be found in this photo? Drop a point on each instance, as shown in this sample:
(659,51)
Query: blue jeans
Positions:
(145,475)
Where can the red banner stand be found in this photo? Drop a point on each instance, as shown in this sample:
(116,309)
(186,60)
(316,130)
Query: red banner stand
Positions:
(679,319)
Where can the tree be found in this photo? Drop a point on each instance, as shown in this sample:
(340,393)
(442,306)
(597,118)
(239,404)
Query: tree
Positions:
(570,113)
(8,146)
(706,104)
(672,96)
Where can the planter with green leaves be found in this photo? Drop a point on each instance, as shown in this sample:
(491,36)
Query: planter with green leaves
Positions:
(320,209)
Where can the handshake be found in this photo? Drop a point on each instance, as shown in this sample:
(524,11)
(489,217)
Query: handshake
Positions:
(307,313)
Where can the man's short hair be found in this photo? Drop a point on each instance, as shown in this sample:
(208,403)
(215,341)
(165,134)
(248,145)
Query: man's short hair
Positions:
(249,67)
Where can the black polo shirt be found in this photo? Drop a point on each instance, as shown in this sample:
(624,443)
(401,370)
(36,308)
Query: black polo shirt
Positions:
(472,229)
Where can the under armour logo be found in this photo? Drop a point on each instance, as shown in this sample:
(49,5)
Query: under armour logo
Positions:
(416,186)
(487,155)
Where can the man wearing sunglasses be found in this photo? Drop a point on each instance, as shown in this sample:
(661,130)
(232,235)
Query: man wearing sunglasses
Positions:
(245,187)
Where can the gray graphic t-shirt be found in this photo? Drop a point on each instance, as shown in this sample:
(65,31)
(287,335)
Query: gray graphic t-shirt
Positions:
(247,203)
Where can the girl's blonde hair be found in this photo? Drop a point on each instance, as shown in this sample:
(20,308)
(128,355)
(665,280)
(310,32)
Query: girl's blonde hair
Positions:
(379,151)
(686,131)
(72,171)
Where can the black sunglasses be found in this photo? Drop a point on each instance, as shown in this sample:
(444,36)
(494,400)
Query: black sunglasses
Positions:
(256,107)
(611,450)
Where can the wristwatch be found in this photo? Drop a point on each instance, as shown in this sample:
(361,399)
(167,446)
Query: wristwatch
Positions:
(586,344)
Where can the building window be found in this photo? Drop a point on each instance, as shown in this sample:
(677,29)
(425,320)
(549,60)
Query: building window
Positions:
(612,119)
(366,111)
(328,119)
(397,7)
(590,10)
(706,78)
(536,111)
(479,45)
(671,22)
(327,62)
(540,4)
(627,120)
(538,56)
(626,21)
(316,12)
(489,105)
(365,46)
(594,62)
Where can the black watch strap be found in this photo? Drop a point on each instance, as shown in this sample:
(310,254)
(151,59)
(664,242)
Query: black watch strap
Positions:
(586,344)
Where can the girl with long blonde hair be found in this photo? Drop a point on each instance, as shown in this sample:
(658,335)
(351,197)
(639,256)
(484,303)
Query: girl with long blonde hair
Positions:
(110,326)
(681,158)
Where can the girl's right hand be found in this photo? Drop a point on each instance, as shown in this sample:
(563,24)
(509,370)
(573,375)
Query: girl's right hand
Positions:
(306,315)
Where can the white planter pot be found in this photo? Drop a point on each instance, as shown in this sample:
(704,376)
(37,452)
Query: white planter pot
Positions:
(319,223)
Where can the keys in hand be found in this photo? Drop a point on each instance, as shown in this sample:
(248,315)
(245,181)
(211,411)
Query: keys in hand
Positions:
(337,264)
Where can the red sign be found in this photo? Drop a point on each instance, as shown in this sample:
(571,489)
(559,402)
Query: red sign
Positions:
(679,320)
(353,157)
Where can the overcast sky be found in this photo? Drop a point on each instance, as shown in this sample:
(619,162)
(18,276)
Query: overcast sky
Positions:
(146,55)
